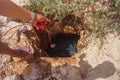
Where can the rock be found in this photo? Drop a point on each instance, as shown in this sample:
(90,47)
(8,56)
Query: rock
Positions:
(64,69)
(101,71)
(57,28)
(5,59)
(113,45)
(14,77)
(20,36)
(103,59)
(37,71)
(21,2)
(3,20)
(74,74)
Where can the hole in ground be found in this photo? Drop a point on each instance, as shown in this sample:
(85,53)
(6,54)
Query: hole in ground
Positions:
(65,45)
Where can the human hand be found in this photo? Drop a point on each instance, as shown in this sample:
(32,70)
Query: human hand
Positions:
(40,18)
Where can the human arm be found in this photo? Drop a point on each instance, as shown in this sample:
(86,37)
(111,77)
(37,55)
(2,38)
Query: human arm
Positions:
(10,9)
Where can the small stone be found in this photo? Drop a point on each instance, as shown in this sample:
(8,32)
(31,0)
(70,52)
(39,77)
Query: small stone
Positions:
(64,72)
(6,59)
(14,77)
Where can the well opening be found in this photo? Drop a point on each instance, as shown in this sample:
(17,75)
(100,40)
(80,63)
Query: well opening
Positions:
(65,37)
(65,45)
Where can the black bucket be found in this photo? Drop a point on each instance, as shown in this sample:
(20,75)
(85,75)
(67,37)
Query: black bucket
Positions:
(65,45)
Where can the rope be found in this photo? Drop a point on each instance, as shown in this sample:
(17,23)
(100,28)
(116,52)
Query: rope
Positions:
(41,25)
(2,35)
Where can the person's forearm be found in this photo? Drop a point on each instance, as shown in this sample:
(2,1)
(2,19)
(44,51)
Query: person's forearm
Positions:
(9,9)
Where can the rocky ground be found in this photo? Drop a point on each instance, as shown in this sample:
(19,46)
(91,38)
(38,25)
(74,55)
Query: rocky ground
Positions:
(99,60)
(94,62)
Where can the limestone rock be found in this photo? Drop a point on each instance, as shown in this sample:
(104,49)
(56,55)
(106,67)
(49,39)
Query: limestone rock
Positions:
(14,77)
(37,71)
(3,20)
(21,2)
(5,59)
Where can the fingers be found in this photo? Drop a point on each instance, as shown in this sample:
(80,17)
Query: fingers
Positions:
(48,22)
(40,18)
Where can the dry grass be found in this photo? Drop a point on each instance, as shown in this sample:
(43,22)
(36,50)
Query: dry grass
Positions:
(56,9)
(104,21)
